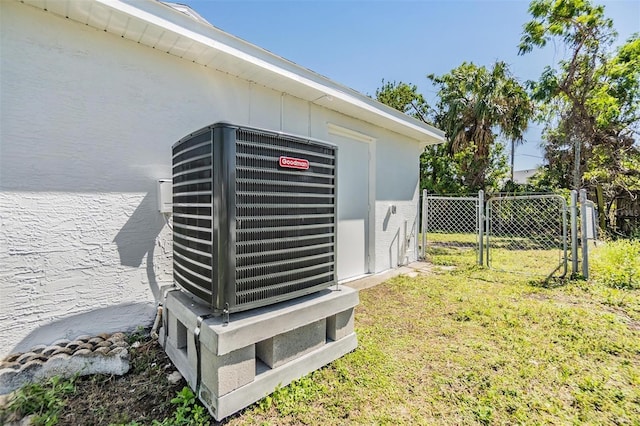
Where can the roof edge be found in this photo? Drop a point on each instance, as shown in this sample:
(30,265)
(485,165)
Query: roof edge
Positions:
(273,62)
(302,82)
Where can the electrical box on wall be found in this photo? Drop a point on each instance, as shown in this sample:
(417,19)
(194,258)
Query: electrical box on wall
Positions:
(165,195)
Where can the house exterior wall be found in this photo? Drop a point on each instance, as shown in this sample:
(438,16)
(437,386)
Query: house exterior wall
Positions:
(87,122)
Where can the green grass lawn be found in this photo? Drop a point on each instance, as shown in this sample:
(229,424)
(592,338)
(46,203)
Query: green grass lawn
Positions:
(462,345)
(475,346)
(535,258)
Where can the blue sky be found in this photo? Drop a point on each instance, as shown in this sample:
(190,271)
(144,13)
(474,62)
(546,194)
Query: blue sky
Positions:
(359,43)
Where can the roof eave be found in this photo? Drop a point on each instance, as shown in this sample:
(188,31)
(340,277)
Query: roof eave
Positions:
(161,27)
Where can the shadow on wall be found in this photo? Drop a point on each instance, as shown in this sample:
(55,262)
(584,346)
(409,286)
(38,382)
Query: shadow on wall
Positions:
(387,217)
(135,240)
(138,236)
(401,241)
(395,246)
(104,320)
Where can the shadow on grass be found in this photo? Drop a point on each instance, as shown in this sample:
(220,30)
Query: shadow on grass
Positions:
(452,244)
(551,282)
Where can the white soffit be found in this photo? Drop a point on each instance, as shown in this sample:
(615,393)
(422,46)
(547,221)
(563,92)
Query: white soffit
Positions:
(156,25)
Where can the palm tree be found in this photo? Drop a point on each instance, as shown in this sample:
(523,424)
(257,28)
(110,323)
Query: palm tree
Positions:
(477,105)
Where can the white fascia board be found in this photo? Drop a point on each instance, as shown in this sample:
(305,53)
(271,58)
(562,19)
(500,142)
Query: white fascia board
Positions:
(163,16)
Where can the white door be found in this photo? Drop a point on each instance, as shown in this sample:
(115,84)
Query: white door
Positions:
(353,207)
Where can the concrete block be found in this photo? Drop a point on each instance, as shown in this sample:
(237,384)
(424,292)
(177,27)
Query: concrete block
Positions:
(219,373)
(340,324)
(267,382)
(289,337)
(258,324)
(225,373)
(282,348)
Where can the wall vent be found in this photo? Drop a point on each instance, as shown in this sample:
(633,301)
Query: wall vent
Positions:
(254,216)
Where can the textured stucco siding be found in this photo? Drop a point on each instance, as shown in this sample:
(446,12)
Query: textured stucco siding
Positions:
(87,122)
(397,184)
(68,254)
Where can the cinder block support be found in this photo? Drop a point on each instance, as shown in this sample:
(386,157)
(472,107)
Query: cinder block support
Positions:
(228,372)
(282,348)
(258,350)
(341,324)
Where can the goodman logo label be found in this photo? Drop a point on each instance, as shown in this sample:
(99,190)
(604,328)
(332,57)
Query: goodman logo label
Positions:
(294,163)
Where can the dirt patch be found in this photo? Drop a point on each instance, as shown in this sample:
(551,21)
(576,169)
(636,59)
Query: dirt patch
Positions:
(143,394)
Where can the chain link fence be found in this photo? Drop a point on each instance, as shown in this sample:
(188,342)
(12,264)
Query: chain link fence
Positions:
(535,226)
(527,234)
(451,222)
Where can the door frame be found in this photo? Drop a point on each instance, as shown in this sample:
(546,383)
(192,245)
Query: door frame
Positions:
(337,130)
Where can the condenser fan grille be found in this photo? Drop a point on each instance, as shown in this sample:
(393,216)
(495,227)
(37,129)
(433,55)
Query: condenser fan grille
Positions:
(281,220)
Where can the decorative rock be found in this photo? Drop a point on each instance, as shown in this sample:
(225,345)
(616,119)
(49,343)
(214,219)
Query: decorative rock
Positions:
(31,363)
(25,357)
(60,356)
(174,377)
(117,336)
(68,351)
(74,345)
(61,342)
(95,340)
(50,349)
(104,354)
(101,350)
(86,346)
(42,358)
(12,357)
(135,344)
(13,365)
(116,351)
(38,349)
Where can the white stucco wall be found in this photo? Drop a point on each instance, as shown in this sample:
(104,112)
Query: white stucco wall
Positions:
(398,185)
(87,122)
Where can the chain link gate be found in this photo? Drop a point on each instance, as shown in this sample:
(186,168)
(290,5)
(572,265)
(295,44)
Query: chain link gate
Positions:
(533,225)
(536,226)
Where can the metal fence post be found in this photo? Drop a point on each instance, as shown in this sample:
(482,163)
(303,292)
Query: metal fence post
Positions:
(574,232)
(583,234)
(564,236)
(424,224)
(480,221)
(487,218)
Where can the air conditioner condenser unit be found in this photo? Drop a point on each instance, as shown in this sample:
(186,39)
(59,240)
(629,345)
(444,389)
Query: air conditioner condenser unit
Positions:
(254,216)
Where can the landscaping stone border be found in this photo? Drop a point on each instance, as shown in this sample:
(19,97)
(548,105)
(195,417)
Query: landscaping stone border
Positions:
(101,354)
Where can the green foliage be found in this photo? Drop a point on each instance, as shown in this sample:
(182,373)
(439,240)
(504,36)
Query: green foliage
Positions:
(474,102)
(138,335)
(189,412)
(404,97)
(294,398)
(575,22)
(617,264)
(476,106)
(443,172)
(589,101)
(439,171)
(42,400)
